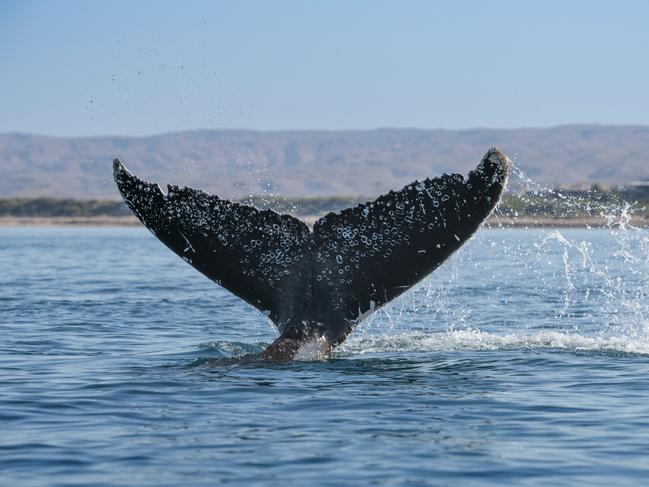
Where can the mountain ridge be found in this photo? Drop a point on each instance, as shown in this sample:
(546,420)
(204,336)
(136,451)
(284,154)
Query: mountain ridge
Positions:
(239,162)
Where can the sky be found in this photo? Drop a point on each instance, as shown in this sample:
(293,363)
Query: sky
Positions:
(145,67)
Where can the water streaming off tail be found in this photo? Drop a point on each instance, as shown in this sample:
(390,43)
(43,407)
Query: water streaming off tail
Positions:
(568,288)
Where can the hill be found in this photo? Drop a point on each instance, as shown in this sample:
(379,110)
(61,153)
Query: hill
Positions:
(235,163)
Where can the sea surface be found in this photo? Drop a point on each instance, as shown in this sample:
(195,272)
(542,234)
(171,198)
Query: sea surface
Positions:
(523,360)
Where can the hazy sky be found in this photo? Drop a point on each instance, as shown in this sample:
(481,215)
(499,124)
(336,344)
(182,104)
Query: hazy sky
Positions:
(100,67)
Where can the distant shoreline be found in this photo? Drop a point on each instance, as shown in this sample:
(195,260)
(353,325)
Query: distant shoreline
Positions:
(26,221)
(493,222)
(528,210)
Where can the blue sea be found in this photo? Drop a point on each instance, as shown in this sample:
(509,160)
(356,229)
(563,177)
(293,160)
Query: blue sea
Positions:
(523,360)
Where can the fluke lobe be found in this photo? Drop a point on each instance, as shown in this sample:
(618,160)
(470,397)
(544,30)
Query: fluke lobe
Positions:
(317,285)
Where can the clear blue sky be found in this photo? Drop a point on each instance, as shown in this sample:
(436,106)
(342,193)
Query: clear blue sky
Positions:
(142,67)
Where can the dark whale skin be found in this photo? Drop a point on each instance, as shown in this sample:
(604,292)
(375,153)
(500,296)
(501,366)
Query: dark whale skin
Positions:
(317,285)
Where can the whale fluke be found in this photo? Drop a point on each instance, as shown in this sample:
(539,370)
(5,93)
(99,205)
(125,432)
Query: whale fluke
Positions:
(259,255)
(315,286)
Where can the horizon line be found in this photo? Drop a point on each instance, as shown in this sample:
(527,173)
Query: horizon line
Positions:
(324,130)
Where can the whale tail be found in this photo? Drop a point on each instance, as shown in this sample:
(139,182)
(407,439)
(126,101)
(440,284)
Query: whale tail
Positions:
(318,285)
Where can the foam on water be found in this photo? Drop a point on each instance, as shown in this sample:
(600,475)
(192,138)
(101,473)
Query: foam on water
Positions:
(475,339)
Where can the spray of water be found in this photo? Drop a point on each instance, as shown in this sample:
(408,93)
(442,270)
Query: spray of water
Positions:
(570,289)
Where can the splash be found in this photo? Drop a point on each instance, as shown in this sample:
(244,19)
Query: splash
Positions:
(568,289)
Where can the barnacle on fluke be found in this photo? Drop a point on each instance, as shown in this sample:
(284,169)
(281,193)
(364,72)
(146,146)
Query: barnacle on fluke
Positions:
(317,285)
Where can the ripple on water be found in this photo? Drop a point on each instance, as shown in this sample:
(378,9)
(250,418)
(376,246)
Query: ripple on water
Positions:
(522,360)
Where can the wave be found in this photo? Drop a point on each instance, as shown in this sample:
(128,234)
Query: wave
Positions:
(477,340)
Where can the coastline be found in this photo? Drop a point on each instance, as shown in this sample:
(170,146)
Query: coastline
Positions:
(26,221)
(492,222)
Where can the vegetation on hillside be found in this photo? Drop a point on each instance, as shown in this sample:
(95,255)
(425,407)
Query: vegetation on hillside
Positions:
(54,207)
(552,204)
(571,204)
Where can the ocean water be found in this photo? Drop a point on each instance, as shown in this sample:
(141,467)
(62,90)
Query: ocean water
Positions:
(523,360)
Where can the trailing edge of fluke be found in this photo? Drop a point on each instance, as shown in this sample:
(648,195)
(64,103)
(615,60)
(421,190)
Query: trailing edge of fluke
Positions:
(317,285)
